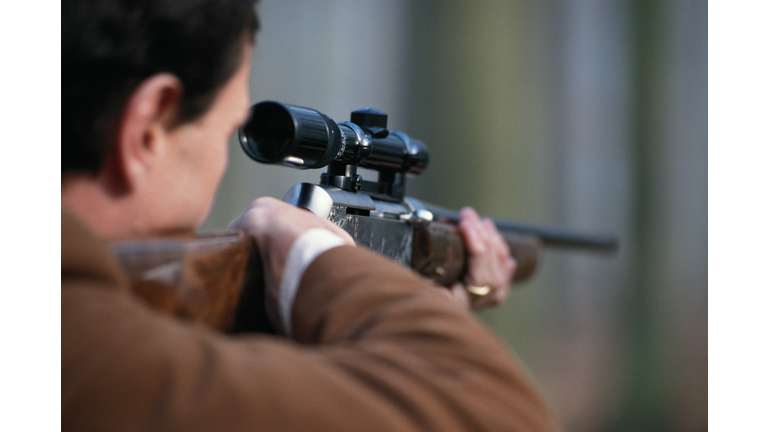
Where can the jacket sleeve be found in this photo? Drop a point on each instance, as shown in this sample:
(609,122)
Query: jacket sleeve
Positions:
(376,348)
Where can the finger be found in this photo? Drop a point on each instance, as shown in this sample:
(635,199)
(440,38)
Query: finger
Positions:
(472,231)
(500,296)
(235,224)
(340,232)
(483,302)
(484,267)
(460,295)
(511,268)
(493,236)
(496,297)
(489,263)
(503,263)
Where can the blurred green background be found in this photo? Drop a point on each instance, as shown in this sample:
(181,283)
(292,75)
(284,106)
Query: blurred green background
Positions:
(590,115)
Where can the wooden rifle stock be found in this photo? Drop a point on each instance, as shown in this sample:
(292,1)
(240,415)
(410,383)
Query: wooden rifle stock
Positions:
(439,253)
(210,279)
(217,279)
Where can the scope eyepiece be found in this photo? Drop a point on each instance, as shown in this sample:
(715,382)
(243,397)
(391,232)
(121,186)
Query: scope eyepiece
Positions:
(299,137)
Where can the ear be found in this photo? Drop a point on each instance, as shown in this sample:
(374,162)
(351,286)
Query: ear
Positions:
(139,143)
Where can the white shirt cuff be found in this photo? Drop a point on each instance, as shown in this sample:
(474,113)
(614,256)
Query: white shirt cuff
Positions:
(308,246)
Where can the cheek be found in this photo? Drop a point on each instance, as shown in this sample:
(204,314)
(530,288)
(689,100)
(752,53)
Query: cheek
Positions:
(216,166)
(212,160)
(209,173)
(221,157)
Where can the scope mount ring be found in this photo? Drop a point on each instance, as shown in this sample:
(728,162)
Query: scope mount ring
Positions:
(362,147)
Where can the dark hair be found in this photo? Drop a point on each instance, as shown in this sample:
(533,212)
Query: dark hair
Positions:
(110,46)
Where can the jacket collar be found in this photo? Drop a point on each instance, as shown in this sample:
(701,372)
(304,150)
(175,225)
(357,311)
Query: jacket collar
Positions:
(84,254)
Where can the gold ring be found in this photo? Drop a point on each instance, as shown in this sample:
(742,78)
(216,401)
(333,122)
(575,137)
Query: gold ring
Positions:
(477,290)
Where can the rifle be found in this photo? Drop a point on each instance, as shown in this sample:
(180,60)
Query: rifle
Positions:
(217,279)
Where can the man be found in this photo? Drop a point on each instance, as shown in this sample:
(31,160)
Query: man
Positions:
(152,90)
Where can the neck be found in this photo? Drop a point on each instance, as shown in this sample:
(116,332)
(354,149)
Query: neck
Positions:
(110,214)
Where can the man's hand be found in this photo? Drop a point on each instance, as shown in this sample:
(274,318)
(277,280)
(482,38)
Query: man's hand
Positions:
(489,266)
(275,226)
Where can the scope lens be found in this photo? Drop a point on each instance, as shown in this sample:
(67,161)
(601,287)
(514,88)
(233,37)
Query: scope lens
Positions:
(290,135)
(269,131)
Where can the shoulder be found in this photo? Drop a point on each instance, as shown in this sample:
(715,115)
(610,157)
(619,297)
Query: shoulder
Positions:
(85,256)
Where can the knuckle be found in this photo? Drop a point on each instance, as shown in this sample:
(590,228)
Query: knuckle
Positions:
(511,264)
(503,247)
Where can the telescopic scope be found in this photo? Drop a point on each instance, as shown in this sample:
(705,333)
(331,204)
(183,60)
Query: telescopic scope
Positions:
(298,137)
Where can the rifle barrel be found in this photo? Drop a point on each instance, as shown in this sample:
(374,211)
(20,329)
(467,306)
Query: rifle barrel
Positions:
(552,237)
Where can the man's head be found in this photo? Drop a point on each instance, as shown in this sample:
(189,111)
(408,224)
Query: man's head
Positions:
(110,46)
(151,92)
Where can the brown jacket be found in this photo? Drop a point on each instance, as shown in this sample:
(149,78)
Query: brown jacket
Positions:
(376,348)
